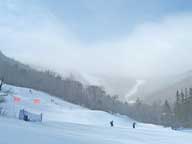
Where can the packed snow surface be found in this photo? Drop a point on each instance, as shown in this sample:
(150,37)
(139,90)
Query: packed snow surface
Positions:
(65,123)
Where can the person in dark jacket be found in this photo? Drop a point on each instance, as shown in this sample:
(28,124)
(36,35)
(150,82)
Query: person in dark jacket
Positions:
(111,123)
(134,124)
(26,118)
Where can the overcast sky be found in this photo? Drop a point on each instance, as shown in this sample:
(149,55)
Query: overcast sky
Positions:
(121,37)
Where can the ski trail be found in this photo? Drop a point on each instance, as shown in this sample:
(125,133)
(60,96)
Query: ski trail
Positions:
(135,89)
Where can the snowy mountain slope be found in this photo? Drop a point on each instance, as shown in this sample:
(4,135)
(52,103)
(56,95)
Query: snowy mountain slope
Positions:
(54,109)
(135,89)
(113,84)
(71,124)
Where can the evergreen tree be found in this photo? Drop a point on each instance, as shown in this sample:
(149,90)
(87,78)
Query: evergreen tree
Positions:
(138,109)
(183,108)
(182,97)
(166,115)
(190,96)
(186,92)
(177,110)
(177,97)
(188,109)
(190,92)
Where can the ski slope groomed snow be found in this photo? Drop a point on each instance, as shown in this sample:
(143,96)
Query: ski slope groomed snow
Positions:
(65,123)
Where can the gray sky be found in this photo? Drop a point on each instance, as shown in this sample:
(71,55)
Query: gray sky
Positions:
(121,37)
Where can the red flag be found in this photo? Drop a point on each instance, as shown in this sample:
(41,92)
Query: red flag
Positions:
(36,101)
(17,99)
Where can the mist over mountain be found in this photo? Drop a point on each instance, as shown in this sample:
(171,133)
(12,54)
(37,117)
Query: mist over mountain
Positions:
(163,88)
(113,84)
(154,89)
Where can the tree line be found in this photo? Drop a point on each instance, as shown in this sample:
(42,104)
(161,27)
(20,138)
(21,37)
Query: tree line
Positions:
(175,115)
(183,108)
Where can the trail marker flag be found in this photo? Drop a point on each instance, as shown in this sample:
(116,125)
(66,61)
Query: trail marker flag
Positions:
(17,99)
(36,101)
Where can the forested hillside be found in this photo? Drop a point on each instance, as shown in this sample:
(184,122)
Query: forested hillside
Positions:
(93,97)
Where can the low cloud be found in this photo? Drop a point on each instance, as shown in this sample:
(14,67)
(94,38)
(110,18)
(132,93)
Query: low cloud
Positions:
(152,48)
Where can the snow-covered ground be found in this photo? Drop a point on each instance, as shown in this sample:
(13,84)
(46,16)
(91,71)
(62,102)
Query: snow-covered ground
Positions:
(71,124)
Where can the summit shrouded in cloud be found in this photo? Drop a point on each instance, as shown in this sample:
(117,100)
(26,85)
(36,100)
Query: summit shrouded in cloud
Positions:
(139,38)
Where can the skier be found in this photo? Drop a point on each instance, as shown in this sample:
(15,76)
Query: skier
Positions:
(134,124)
(52,100)
(26,118)
(30,91)
(111,123)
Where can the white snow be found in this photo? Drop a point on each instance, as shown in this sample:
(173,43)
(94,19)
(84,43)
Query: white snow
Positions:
(135,89)
(65,123)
